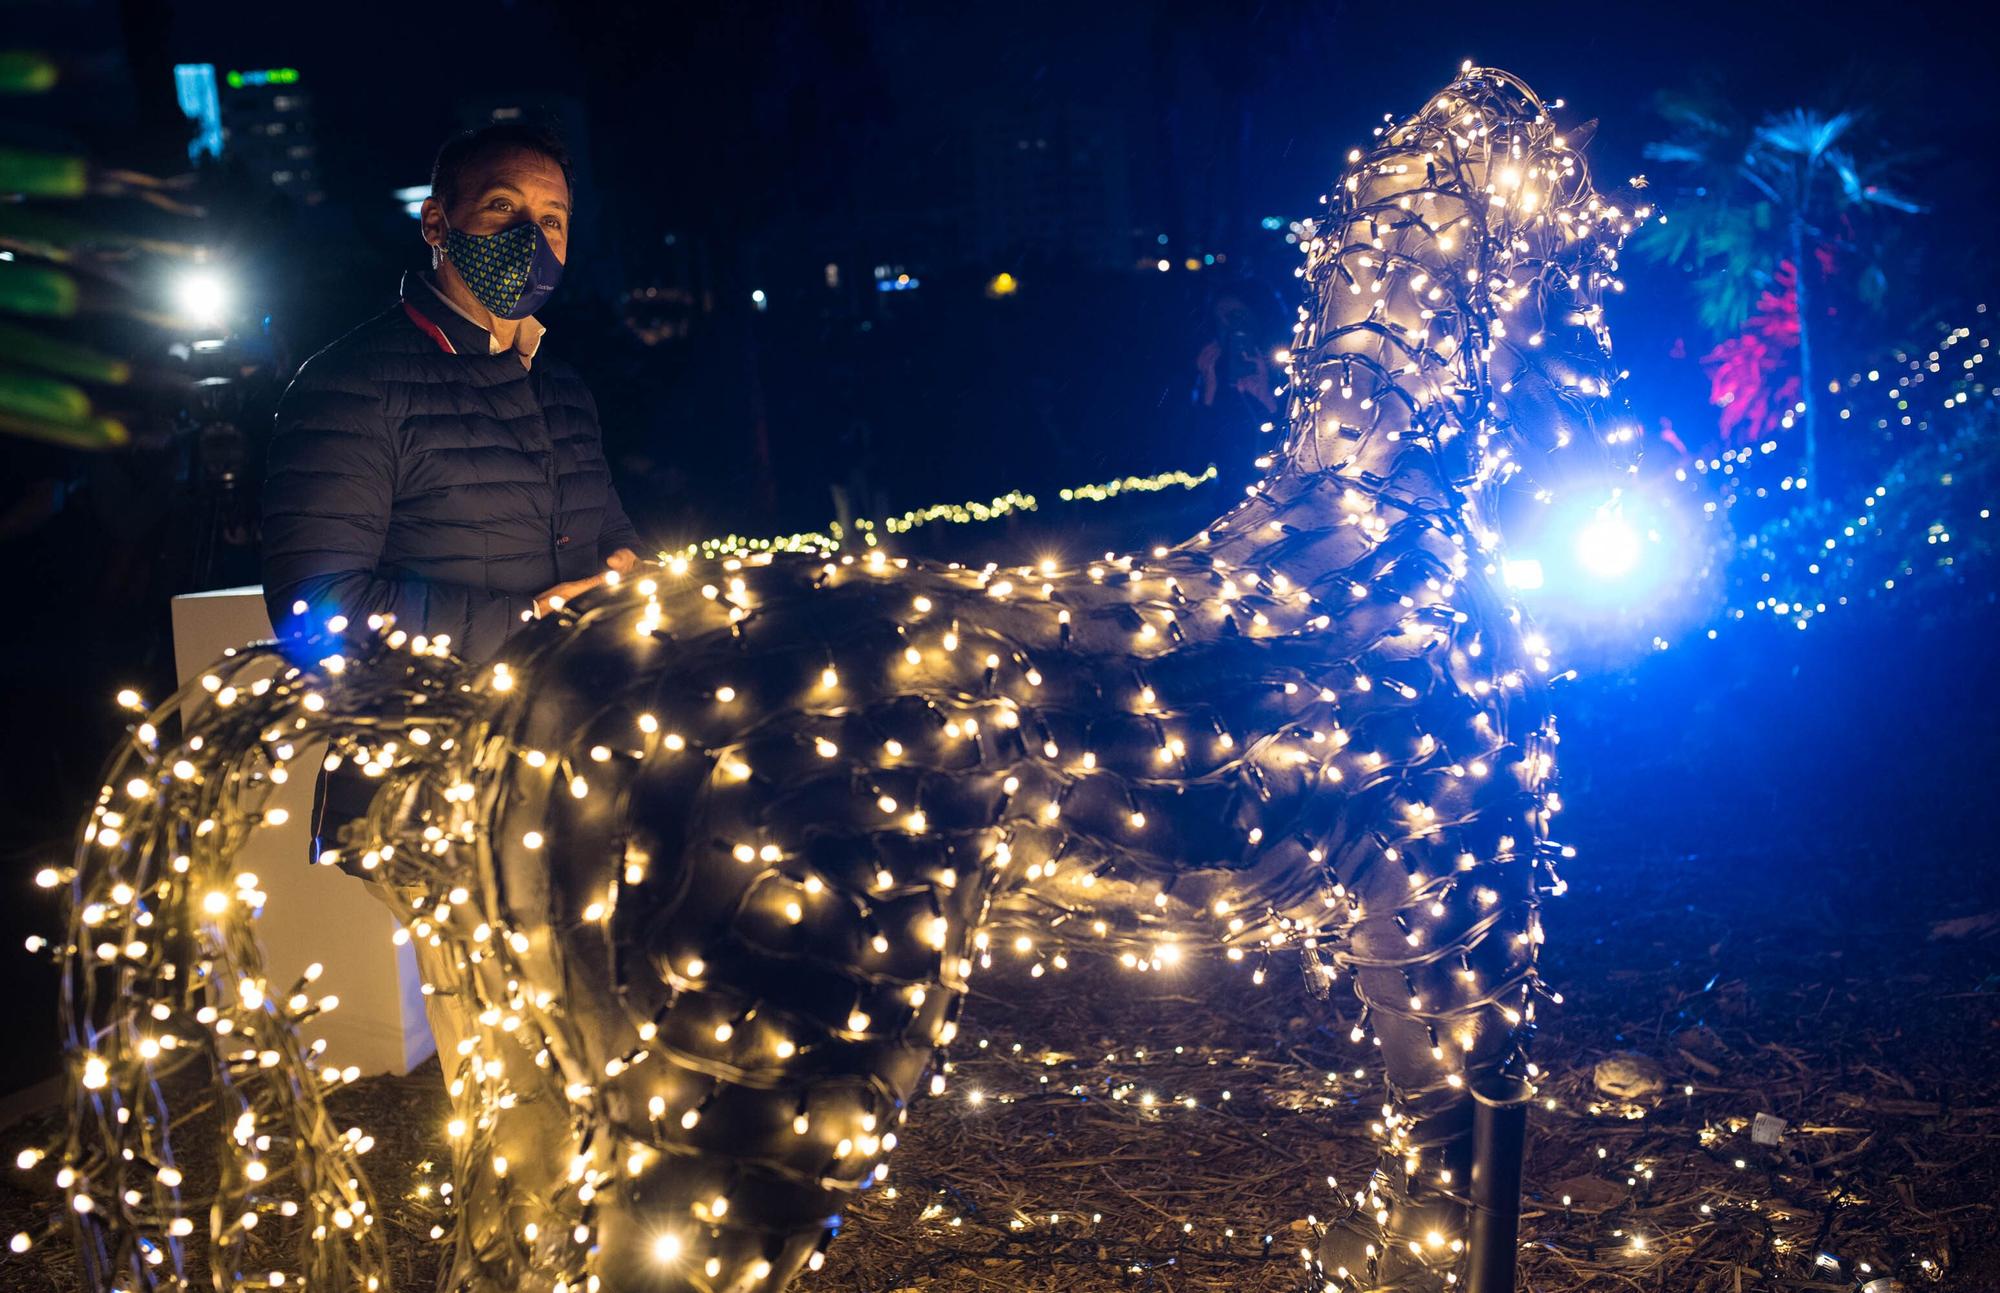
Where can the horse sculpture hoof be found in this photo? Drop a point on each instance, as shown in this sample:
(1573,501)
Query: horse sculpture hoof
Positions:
(1393,1243)
(1401,1232)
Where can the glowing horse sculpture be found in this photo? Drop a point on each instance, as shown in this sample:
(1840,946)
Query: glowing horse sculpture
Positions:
(709,857)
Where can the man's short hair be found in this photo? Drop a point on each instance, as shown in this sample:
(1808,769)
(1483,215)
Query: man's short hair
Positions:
(462,150)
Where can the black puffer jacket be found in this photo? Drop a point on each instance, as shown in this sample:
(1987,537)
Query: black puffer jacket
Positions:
(412,472)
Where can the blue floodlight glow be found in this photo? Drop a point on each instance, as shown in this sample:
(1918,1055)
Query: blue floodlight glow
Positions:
(1608,546)
(1601,554)
(1617,575)
(1609,577)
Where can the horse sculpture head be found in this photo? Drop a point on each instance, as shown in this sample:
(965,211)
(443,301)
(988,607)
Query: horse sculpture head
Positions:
(1457,300)
(705,861)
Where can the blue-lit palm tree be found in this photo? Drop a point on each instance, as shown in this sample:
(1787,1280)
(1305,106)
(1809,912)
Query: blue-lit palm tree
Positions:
(1752,195)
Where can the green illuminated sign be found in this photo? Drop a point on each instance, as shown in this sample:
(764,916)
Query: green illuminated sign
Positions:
(263,76)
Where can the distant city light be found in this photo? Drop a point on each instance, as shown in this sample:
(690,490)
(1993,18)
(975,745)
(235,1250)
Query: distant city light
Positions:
(1165,265)
(1273,223)
(1002,284)
(412,199)
(194,87)
(264,76)
(758,299)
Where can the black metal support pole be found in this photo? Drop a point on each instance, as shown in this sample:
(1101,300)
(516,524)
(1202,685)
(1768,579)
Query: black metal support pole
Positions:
(1499,1136)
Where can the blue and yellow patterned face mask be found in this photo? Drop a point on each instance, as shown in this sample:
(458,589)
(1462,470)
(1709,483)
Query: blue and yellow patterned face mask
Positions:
(513,273)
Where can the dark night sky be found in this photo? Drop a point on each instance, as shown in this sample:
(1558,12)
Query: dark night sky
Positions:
(710,113)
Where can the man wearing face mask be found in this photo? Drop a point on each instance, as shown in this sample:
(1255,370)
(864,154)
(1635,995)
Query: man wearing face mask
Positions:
(433,465)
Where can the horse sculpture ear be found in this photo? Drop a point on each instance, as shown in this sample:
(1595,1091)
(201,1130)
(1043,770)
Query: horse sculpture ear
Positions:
(1577,138)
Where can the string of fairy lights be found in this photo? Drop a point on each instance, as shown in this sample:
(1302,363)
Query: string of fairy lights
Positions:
(1754,546)
(867,533)
(1809,560)
(1957,441)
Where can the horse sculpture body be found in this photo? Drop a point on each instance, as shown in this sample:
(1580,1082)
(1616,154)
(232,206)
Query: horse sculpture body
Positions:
(707,859)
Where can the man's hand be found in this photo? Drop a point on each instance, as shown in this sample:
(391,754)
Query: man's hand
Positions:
(624,561)
(556,598)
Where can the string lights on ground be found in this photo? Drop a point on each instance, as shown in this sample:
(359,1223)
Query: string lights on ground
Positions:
(705,862)
(868,533)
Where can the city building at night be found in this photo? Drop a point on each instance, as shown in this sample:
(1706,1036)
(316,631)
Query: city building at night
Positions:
(257,119)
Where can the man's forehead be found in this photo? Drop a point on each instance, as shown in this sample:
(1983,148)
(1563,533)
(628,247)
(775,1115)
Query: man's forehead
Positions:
(518,169)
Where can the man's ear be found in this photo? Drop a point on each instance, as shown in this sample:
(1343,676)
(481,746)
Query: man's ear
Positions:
(431,221)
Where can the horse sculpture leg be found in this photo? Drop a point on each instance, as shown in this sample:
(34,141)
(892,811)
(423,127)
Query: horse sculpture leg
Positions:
(1449,1024)
(1499,1136)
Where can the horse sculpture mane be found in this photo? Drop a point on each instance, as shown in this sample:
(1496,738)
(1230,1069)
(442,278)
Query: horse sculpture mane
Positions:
(707,859)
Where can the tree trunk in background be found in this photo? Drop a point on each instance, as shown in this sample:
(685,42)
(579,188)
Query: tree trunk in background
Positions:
(1807,391)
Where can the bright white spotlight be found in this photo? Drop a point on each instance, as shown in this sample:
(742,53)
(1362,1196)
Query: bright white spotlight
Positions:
(1524,574)
(1608,547)
(202,296)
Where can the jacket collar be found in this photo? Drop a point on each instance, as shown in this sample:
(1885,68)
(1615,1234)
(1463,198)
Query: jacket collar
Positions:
(451,330)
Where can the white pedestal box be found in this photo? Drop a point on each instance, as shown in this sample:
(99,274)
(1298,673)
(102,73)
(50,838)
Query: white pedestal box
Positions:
(314,913)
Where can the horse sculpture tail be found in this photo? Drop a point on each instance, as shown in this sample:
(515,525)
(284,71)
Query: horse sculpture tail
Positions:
(164,983)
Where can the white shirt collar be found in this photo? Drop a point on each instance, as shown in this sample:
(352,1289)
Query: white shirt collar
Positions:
(527,338)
